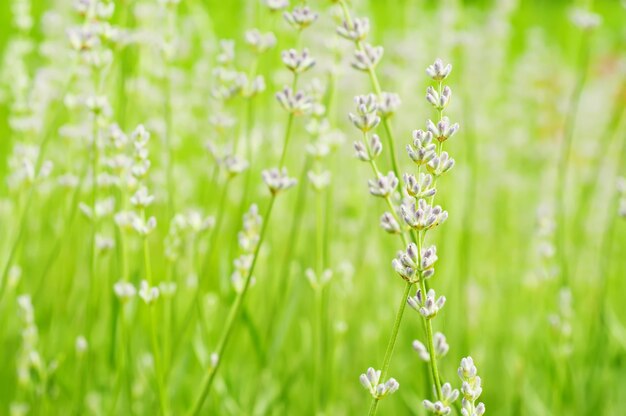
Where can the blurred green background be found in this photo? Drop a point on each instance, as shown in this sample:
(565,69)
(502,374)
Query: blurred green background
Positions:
(516,70)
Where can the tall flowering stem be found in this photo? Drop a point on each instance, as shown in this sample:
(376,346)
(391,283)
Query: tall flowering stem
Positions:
(233,314)
(419,215)
(357,32)
(277,180)
(427,216)
(23,216)
(168,49)
(566,145)
(366,119)
(392,343)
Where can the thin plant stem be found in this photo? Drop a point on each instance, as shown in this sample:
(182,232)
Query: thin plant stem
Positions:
(216,230)
(158,364)
(292,243)
(286,140)
(49,133)
(319,307)
(317,349)
(237,305)
(392,341)
(431,349)
(377,89)
(428,327)
(377,173)
(564,156)
(233,314)
(167,150)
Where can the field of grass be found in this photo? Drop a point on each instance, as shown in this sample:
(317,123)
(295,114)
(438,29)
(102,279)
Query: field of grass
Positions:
(183,234)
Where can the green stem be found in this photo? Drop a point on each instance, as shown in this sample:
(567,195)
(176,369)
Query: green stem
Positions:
(161,390)
(25,208)
(317,346)
(283,156)
(431,349)
(564,157)
(392,341)
(233,314)
(216,230)
(373,407)
(286,140)
(16,243)
(377,173)
(167,151)
(236,307)
(378,90)
(319,307)
(292,243)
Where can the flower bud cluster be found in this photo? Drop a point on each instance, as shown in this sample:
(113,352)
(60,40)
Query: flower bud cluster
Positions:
(248,241)
(443,129)
(420,187)
(427,305)
(366,117)
(260,42)
(584,19)
(370,380)
(370,152)
(357,31)
(297,103)
(422,216)
(277,180)
(276,5)
(443,406)
(300,17)
(324,138)
(34,374)
(561,323)
(149,294)
(318,282)
(388,104)
(545,267)
(440,344)
(412,266)
(438,71)
(383,186)
(94,40)
(228,81)
(471,388)
(141,198)
(192,224)
(423,150)
(23,167)
(126,291)
(367,58)
(297,62)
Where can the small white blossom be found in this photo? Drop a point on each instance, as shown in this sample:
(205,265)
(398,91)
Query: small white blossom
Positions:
(428,306)
(438,70)
(297,62)
(383,186)
(367,58)
(278,180)
(300,17)
(371,382)
(124,290)
(148,293)
(355,32)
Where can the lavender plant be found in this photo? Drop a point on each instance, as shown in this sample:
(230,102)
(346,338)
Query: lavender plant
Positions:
(145,268)
(276,179)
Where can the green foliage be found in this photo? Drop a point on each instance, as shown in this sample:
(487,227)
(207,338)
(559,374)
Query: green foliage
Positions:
(530,258)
